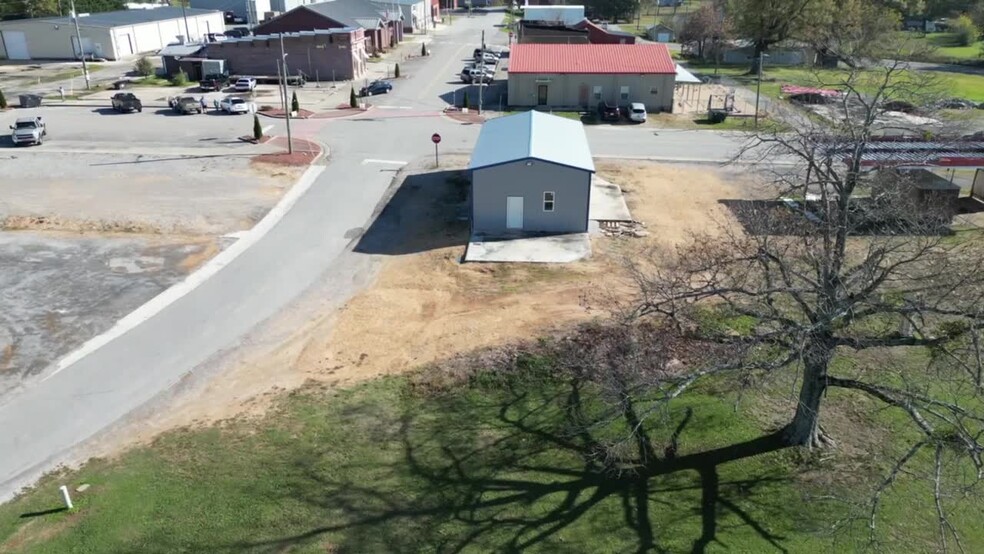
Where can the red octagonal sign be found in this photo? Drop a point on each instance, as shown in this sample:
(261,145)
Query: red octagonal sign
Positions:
(435,138)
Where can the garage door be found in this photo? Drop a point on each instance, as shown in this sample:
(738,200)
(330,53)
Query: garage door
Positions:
(15,43)
(663,37)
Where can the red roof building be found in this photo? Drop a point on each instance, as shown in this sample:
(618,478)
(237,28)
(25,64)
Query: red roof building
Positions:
(591,58)
(583,75)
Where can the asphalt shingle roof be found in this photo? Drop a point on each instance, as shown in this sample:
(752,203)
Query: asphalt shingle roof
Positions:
(535,135)
(591,58)
(351,13)
(127,17)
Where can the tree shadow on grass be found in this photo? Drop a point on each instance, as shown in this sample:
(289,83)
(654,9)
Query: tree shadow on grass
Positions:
(524,471)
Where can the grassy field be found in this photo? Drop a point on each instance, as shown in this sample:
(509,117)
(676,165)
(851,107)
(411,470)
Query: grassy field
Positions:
(970,87)
(493,464)
(944,48)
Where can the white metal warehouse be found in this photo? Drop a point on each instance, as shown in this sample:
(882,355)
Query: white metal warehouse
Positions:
(110,35)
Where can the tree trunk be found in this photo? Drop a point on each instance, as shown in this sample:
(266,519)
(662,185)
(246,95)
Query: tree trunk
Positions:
(756,58)
(805,428)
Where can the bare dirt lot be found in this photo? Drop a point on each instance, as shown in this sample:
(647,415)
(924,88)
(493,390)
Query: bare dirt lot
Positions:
(136,193)
(425,306)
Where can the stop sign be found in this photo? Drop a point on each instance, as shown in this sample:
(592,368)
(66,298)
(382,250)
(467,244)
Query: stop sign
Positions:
(435,138)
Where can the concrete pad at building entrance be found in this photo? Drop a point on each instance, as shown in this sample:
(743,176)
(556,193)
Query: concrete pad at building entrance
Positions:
(607,202)
(556,249)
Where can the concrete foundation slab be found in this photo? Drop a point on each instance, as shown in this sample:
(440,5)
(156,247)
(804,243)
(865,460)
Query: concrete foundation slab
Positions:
(607,202)
(557,249)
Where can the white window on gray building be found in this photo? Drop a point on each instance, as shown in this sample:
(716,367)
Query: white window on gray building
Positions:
(623,93)
(548,201)
(596,92)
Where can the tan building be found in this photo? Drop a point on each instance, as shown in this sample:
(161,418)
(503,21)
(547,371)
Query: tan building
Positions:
(110,35)
(580,76)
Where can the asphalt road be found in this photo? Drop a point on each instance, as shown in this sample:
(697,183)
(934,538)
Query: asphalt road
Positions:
(43,426)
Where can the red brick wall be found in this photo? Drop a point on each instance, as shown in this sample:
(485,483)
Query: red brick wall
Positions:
(340,53)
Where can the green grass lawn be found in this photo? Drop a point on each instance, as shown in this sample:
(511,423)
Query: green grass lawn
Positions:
(944,48)
(970,87)
(492,465)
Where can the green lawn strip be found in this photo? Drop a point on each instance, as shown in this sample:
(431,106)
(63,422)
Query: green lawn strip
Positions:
(943,48)
(960,85)
(494,465)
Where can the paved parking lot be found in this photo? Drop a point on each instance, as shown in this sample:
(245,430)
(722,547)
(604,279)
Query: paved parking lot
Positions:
(110,211)
(212,194)
(157,130)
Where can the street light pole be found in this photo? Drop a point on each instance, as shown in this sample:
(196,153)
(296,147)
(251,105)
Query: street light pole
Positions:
(758,88)
(283,57)
(78,37)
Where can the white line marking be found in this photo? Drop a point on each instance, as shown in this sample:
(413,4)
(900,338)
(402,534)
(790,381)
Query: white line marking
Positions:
(373,161)
(395,107)
(155,305)
(267,128)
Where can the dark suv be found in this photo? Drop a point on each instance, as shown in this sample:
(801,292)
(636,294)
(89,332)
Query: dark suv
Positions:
(607,112)
(214,81)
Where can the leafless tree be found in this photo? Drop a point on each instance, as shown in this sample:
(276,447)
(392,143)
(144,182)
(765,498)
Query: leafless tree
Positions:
(844,266)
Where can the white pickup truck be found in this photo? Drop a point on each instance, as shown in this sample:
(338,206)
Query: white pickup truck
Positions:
(28,130)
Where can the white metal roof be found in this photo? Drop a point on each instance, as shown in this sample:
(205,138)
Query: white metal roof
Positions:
(122,17)
(535,135)
(684,76)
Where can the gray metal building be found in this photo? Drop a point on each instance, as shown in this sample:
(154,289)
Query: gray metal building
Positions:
(111,35)
(531,173)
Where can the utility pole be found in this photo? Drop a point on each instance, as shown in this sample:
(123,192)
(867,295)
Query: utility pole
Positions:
(184,14)
(483,40)
(758,88)
(283,57)
(78,37)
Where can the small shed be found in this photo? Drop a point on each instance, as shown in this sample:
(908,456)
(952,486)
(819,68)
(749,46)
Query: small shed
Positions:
(172,54)
(661,33)
(531,173)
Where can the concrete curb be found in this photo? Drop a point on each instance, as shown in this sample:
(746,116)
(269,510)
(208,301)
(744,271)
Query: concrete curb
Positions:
(157,304)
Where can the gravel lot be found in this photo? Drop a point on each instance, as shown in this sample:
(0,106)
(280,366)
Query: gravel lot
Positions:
(56,292)
(110,211)
(209,195)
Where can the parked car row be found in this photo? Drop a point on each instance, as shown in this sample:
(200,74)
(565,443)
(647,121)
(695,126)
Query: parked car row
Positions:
(482,68)
(635,112)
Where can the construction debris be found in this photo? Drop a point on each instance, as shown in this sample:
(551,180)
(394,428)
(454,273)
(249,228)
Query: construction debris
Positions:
(633,229)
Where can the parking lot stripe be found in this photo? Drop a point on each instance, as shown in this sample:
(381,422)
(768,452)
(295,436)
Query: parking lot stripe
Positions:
(157,304)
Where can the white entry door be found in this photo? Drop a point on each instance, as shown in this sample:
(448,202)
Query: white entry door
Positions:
(514,212)
(15,43)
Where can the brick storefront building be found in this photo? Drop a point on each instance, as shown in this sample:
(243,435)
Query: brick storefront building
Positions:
(331,54)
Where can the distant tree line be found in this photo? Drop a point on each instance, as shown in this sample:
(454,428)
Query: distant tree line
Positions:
(24,9)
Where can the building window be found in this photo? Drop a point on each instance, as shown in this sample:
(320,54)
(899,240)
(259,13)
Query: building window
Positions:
(623,93)
(653,91)
(548,201)
(596,92)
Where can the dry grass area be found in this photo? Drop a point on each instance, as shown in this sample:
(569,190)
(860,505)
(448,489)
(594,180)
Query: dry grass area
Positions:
(425,306)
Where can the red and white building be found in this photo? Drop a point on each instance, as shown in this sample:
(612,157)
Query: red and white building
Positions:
(580,76)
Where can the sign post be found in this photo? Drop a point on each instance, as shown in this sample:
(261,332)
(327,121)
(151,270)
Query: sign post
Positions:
(436,139)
